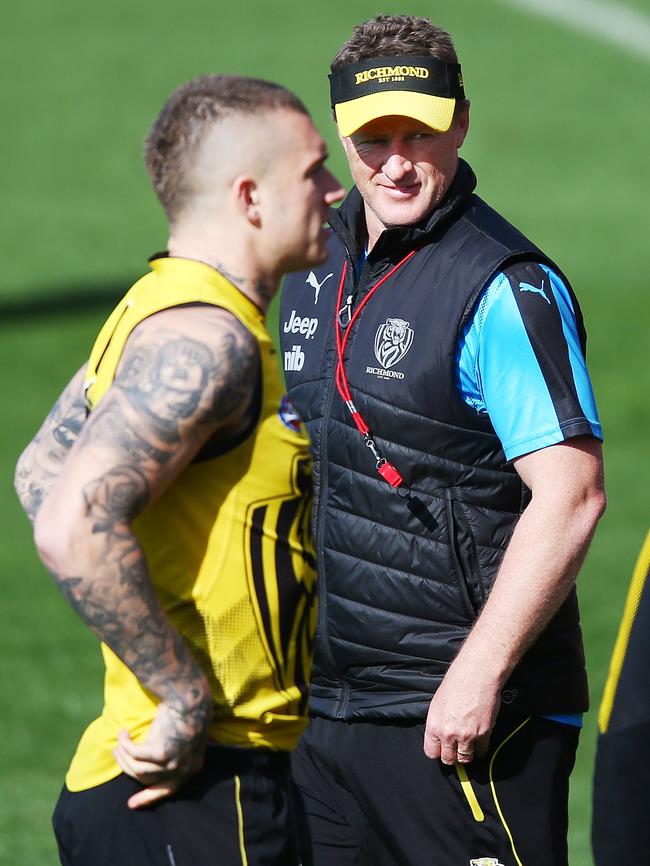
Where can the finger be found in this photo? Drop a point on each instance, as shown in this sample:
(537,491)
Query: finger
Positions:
(152,794)
(123,761)
(482,744)
(144,771)
(448,753)
(141,751)
(431,746)
(465,752)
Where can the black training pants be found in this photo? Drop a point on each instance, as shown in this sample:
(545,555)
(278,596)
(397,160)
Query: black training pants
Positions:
(373,798)
(240,809)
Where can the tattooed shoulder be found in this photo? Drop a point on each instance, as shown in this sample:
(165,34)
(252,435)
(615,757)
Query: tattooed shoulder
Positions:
(183,374)
(235,374)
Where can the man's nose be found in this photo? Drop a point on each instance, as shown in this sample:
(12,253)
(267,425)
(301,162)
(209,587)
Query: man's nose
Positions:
(396,167)
(333,190)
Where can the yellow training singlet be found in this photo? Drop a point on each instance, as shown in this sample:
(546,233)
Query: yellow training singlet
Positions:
(227,550)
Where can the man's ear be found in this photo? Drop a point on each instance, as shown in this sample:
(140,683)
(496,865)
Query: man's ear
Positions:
(247,197)
(461,124)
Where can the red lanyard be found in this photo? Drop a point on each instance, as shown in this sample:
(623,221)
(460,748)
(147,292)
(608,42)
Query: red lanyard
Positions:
(387,471)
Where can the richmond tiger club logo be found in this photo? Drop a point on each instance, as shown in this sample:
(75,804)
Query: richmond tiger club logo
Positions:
(485,861)
(392,341)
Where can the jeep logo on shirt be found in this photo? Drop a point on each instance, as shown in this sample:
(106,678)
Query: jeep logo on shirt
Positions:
(297,325)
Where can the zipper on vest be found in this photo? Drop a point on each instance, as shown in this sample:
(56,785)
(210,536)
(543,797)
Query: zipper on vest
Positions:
(343,700)
(465,574)
(320,521)
(352,298)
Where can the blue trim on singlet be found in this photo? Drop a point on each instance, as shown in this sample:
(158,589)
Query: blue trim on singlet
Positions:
(498,373)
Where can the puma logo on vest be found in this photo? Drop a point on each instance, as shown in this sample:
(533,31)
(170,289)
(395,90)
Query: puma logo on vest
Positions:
(312,280)
(526,287)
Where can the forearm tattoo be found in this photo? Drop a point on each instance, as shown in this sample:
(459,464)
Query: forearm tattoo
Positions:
(119,603)
(41,462)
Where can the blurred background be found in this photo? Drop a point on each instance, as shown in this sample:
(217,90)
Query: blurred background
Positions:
(559,141)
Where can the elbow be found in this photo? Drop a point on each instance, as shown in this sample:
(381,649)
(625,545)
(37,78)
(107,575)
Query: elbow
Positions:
(48,544)
(19,485)
(19,475)
(593,506)
(599,506)
(22,480)
(53,541)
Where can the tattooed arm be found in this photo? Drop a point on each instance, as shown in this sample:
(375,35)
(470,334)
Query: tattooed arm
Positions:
(41,462)
(186,375)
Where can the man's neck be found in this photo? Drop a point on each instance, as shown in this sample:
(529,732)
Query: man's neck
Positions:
(257,287)
(374,226)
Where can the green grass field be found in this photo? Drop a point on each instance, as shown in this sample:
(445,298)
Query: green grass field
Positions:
(559,141)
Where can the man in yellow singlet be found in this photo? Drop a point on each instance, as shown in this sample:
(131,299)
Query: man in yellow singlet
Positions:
(169,490)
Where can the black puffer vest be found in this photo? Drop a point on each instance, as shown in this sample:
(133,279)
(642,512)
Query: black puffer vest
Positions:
(403,574)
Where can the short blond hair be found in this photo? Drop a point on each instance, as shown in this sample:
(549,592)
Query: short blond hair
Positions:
(190,111)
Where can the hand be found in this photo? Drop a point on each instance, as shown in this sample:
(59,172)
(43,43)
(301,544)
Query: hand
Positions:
(173,751)
(461,716)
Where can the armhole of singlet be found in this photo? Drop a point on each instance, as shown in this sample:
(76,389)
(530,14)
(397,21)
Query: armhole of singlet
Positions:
(218,446)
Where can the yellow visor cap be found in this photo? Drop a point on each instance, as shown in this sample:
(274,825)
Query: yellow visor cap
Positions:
(434,111)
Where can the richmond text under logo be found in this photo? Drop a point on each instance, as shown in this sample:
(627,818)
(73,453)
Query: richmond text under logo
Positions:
(392,341)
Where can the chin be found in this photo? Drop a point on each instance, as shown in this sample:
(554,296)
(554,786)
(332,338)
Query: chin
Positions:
(405,214)
(317,257)
(319,253)
(403,217)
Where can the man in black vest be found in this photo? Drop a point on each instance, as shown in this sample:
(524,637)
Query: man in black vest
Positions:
(437,358)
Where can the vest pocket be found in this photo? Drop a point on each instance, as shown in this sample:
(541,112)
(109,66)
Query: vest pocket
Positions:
(463,554)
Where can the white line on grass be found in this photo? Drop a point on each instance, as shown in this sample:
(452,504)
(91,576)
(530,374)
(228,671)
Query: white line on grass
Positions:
(625,27)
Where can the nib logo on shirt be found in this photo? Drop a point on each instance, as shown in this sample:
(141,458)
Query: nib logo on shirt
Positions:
(294,360)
